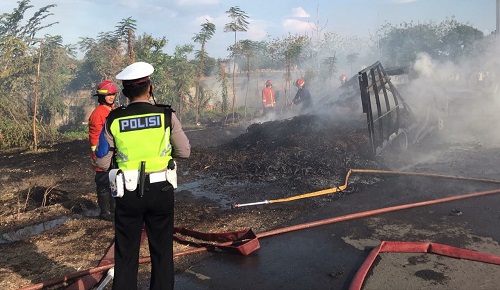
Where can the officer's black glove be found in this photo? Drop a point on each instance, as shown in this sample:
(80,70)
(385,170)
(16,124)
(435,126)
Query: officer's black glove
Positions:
(171,164)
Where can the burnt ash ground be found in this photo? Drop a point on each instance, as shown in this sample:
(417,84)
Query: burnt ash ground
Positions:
(273,159)
(264,161)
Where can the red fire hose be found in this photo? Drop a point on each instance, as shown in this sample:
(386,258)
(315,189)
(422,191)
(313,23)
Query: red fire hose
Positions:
(269,233)
(416,247)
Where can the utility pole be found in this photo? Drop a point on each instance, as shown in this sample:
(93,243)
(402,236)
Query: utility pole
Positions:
(497,31)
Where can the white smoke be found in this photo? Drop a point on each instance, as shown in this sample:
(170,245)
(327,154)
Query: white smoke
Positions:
(465,95)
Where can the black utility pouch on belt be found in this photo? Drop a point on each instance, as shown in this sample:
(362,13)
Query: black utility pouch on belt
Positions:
(142,179)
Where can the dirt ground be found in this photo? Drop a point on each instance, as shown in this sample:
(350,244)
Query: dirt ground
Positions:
(48,213)
(48,210)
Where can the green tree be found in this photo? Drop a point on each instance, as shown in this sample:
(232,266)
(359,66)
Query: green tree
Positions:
(150,49)
(400,45)
(52,77)
(460,41)
(263,58)
(352,58)
(11,24)
(19,57)
(448,40)
(103,59)
(288,51)
(55,65)
(210,65)
(245,49)
(182,73)
(125,30)
(238,23)
(205,34)
(329,68)
(222,78)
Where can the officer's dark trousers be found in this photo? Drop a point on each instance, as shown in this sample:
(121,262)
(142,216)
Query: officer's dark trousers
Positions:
(156,211)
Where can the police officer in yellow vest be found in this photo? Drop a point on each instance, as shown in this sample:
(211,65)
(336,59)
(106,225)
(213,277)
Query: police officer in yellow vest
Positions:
(143,138)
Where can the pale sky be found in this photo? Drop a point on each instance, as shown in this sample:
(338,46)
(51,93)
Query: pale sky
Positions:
(180,20)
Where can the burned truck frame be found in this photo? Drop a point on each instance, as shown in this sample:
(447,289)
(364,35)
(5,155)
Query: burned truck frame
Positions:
(390,119)
(388,116)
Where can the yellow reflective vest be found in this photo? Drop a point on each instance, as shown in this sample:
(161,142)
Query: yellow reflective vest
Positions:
(142,137)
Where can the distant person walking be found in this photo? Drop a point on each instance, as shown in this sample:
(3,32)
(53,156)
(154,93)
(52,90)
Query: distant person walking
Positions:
(268,98)
(106,94)
(303,96)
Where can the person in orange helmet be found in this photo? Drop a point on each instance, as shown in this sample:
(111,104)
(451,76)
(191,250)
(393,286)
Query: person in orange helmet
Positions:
(303,96)
(106,94)
(268,100)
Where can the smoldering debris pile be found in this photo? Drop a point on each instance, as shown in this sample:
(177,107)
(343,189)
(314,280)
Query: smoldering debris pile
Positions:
(307,149)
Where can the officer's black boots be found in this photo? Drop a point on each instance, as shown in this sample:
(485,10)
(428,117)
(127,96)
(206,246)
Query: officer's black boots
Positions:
(105,205)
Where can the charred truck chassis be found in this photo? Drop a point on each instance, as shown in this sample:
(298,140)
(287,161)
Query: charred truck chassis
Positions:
(389,118)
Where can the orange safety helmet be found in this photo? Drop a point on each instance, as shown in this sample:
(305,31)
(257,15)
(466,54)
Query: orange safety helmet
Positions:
(300,83)
(269,83)
(105,88)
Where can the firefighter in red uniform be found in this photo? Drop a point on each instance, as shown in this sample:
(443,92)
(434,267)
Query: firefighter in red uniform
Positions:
(268,100)
(343,79)
(106,93)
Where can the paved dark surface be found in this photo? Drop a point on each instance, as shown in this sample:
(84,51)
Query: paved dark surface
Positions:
(328,256)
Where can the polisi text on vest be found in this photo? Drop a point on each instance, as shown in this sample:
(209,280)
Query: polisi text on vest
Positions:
(139,123)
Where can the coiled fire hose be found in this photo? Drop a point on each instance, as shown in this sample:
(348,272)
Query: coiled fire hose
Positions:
(343,187)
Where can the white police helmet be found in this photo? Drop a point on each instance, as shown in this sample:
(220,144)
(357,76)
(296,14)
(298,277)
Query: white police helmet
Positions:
(135,71)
